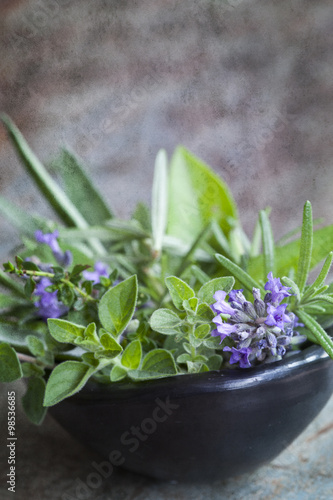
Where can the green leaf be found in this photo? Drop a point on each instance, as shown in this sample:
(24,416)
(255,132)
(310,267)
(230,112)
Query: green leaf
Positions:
(80,188)
(196,197)
(65,380)
(206,292)
(15,335)
(305,254)
(214,362)
(9,302)
(131,357)
(165,321)
(90,334)
(32,401)
(183,358)
(159,208)
(11,285)
(202,331)
(23,222)
(204,313)
(117,306)
(245,279)
(319,282)
(65,331)
(159,361)
(294,288)
(268,244)
(35,345)
(62,205)
(66,295)
(10,368)
(117,373)
(179,291)
(319,333)
(110,345)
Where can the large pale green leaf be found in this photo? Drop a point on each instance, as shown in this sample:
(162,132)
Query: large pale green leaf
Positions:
(80,188)
(53,194)
(196,197)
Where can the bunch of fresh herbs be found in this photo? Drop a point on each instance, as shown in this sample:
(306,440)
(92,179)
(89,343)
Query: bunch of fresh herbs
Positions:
(94,296)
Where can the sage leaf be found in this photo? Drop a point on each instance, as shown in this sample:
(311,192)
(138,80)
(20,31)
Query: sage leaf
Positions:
(159,210)
(35,345)
(196,196)
(32,401)
(10,367)
(116,307)
(80,188)
(206,292)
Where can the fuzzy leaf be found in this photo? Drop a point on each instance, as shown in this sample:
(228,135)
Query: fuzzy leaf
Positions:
(131,357)
(117,306)
(196,197)
(305,253)
(10,368)
(65,380)
(65,331)
(32,401)
(165,321)
(179,291)
(206,292)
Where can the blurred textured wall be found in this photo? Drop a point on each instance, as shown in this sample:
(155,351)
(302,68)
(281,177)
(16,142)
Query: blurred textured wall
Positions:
(246,85)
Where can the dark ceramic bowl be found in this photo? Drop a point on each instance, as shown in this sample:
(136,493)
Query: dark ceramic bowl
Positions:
(204,426)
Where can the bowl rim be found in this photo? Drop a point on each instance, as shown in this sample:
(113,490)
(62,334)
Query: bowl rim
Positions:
(212,381)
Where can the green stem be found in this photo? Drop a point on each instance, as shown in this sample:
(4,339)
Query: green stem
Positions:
(63,280)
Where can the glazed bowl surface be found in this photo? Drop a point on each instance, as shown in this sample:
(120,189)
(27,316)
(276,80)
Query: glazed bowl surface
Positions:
(201,427)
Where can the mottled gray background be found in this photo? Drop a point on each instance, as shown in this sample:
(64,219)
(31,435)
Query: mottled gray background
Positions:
(246,85)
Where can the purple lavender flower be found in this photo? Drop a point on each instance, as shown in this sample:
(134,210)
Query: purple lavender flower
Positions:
(278,291)
(220,304)
(276,316)
(262,331)
(48,304)
(223,329)
(240,356)
(100,269)
(50,239)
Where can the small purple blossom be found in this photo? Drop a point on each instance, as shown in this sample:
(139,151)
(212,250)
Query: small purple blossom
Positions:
(223,329)
(278,291)
(100,269)
(240,356)
(220,305)
(276,316)
(51,239)
(48,304)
